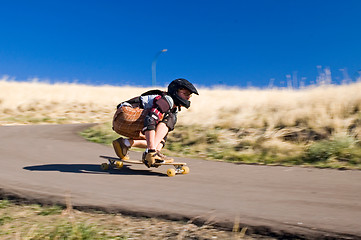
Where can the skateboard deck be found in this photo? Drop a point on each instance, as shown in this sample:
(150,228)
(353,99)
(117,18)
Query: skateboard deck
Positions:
(117,163)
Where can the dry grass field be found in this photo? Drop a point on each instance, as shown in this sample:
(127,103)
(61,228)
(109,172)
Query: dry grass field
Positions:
(33,102)
(245,125)
(335,107)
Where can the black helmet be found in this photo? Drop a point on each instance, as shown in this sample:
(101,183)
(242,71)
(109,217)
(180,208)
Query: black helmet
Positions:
(177,84)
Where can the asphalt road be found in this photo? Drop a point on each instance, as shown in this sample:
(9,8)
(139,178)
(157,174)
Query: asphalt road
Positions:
(51,163)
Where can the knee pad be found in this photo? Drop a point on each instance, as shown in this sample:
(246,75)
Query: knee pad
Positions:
(149,123)
(170,120)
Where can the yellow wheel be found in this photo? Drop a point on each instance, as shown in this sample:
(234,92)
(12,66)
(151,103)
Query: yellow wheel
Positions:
(104,166)
(118,164)
(171,172)
(185,170)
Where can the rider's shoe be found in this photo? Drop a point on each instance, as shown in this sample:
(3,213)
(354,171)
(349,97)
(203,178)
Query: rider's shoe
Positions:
(165,158)
(121,149)
(150,158)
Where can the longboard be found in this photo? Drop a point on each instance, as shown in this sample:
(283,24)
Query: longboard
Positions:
(117,163)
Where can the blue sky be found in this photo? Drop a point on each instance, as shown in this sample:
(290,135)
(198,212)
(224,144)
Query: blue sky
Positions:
(234,43)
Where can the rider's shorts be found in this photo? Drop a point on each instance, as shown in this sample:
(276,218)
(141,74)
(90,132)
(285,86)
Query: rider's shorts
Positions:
(129,122)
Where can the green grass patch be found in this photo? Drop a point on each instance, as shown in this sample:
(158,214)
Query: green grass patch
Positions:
(30,119)
(70,230)
(4,203)
(5,219)
(340,152)
(101,133)
(50,210)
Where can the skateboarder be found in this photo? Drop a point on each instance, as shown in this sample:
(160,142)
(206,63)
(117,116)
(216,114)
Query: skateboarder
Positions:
(146,120)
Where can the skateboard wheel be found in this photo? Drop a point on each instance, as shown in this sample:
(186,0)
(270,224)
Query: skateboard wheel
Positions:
(185,170)
(104,166)
(171,172)
(118,164)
